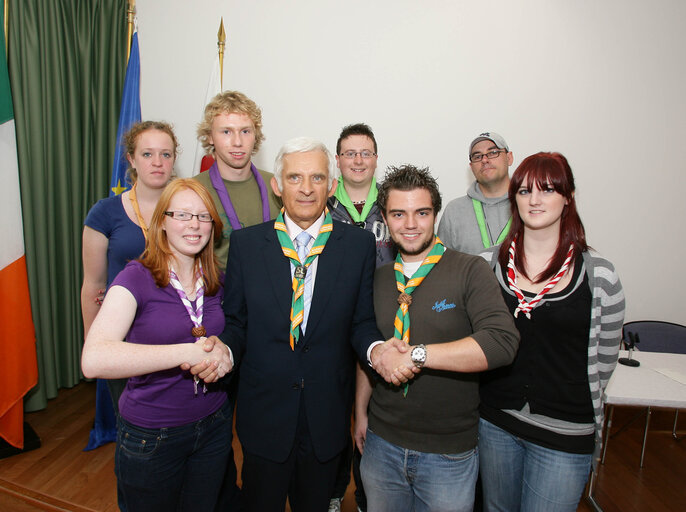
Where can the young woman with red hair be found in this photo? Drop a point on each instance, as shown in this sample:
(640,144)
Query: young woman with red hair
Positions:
(541,416)
(174,433)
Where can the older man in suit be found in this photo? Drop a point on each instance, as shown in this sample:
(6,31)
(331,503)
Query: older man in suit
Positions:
(299,309)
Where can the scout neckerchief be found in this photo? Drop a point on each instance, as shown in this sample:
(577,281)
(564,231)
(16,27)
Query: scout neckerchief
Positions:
(198,329)
(481,221)
(342,195)
(402,316)
(218,184)
(297,301)
(137,210)
(525,306)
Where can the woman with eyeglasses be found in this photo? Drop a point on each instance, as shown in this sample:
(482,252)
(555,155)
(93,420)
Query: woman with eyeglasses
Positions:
(541,416)
(115,228)
(174,435)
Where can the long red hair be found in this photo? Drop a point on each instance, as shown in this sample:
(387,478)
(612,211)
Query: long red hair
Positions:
(545,170)
(157,252)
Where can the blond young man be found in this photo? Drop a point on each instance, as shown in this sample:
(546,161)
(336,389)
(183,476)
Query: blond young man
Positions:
(231,132)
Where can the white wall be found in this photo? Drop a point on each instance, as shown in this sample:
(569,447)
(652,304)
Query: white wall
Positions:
(601,82)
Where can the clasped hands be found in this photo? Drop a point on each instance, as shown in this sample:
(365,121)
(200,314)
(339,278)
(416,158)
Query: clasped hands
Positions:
(216,365)
(392,361)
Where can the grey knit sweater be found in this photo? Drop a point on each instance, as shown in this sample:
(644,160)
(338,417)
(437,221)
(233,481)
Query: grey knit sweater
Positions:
(458,228)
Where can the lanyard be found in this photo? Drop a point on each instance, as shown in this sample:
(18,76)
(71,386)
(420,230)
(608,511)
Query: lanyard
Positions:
(481,221)
(342,195)
(137,211)
(218,184)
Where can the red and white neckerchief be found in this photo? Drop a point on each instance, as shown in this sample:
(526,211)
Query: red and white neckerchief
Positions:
(525,306)
(196,315)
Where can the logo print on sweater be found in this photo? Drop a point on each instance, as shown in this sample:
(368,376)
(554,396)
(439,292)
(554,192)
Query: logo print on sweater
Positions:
(442,306)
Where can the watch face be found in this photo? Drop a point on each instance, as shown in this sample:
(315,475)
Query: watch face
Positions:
(418,354)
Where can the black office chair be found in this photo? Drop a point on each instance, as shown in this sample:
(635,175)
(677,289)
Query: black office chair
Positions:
(657,336)
(652,336)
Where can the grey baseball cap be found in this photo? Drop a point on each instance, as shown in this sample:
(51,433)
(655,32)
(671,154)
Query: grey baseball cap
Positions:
(493,137)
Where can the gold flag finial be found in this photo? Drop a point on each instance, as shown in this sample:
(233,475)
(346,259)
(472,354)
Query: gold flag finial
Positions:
(221,43)
(130,15)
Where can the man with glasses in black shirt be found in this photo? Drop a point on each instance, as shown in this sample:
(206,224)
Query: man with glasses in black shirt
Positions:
(354,202)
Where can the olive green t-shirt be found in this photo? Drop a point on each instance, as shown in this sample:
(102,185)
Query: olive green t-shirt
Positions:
(245,197)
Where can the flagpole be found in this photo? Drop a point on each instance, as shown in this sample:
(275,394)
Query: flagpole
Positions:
(6,8)
(130,15)
(16,435)
(221,43)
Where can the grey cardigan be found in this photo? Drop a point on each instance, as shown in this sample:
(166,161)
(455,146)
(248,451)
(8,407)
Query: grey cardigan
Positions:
(607,318)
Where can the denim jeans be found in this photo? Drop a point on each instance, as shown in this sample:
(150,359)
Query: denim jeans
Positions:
(175,468)
(519,475)
(397,480)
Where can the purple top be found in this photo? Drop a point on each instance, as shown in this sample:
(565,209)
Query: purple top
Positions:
(166,398)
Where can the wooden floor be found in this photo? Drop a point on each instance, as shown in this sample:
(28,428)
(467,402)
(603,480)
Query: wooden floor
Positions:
(61,477)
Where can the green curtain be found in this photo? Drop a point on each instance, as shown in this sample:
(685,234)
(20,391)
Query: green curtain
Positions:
(67,62)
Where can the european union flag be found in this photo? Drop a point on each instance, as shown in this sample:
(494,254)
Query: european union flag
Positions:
(130,113)
(105,425)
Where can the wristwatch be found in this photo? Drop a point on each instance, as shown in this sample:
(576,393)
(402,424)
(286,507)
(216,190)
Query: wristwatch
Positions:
(418,355)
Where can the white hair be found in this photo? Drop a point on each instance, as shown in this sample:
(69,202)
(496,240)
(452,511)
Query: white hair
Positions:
(301,145)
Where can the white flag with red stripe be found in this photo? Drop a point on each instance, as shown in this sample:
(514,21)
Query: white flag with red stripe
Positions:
(202,162)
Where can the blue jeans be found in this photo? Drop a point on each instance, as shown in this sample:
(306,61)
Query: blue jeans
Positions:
(519,475)
(175,468)
(397,480)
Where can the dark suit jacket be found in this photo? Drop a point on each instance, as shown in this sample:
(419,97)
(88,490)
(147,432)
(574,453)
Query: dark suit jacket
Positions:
(272,377)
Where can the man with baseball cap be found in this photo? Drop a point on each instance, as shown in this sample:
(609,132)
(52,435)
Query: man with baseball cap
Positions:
(482,218)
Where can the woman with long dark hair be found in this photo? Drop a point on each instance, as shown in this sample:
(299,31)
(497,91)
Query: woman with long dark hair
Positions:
(541,416)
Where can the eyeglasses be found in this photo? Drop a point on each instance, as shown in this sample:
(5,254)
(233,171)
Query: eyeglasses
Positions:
(185,216)
(352,154)
(477,157)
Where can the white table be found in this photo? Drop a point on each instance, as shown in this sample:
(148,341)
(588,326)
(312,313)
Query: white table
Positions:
(660,381)
(645,385)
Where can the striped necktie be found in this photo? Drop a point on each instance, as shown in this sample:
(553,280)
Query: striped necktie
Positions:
(301,241)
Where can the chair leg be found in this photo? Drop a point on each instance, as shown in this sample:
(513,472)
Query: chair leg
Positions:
(591,489)
(676,418)
(607,431)
(645,435)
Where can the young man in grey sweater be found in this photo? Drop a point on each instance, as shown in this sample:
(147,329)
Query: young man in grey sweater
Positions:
(481,219)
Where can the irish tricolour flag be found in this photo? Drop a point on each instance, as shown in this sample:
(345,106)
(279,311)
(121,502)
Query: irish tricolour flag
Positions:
(18,371)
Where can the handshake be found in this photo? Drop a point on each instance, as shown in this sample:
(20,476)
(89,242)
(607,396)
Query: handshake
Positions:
(217,364)
(392,360)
